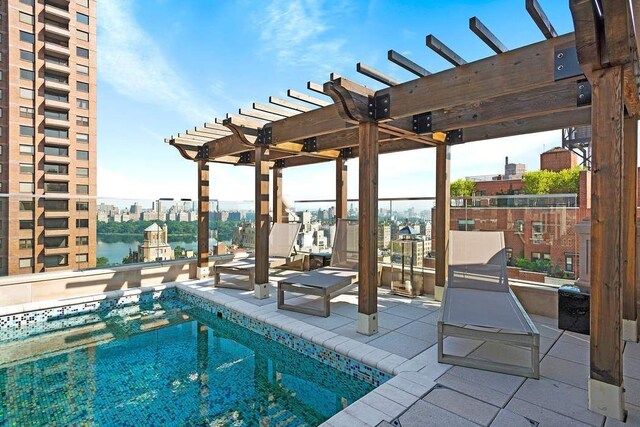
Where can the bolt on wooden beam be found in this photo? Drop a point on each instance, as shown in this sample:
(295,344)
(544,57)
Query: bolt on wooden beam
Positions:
(406,63)
(441,49)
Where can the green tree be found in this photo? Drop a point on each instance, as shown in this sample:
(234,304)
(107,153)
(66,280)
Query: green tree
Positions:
(178,252)
(566,181)
(102,261)
(462,188)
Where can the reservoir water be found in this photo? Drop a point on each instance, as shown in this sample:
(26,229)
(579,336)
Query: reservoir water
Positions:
(115,251)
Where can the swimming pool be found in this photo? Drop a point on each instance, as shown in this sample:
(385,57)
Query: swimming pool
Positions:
(170,360)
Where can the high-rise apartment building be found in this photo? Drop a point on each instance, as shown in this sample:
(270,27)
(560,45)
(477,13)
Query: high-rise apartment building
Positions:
(48,135)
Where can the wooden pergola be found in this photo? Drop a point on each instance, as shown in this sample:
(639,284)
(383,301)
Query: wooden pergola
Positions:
(589,77)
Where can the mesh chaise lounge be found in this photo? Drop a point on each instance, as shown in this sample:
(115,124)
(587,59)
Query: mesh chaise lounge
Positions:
(282,239)
(325,281)
(478,303)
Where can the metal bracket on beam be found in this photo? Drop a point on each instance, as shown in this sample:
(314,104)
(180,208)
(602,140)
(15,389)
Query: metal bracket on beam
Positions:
(279,163)
(203,152)
(380,107)
(422,123)
(566,63)
(454,137)
(264,136)
(583,93)
(346,153)
(310,145)
(245,158)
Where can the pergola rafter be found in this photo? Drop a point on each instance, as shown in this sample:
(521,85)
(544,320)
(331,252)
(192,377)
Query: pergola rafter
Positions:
(576,79)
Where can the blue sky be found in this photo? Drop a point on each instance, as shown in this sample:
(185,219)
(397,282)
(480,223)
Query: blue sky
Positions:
(168,65)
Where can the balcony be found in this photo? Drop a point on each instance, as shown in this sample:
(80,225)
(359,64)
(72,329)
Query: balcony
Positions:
(50,47)
(60,123)
(50,213)
(62,87)
(56,251)
(51,232)
(56,30)
(53,11)
(52,158)
(63,105)
(53,66)
(58,177)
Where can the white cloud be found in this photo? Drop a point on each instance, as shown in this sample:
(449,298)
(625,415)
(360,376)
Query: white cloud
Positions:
(296,31)
(135,66)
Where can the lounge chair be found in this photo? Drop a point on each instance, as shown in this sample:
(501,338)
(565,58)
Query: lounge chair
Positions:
(282,239)
(342,271)
(478,303)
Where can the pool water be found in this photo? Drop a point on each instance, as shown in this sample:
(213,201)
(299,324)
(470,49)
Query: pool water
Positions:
(165,363)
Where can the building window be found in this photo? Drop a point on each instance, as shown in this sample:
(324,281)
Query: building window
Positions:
(82,52)
(535,256)
(27,130)
(27,37)
(509,255)
(27,149)
(56,78)
(56,223)
(27,74)
(82,18)
(25,18)
(82,69)
(568,262)
(56,60)
(56,260)
(56,151)
(26,187)
(26,243)
(82,121)
(54,205)
(82,223)
(25,55)
(82,172)
(26,205)
(82,258)
(82,138)
(27,168)
(56,187)
(26,93)
(26,224)
(466,224)
(536,231)
(59,115)
(82,155)
(83,104)
(56,97)
(27,2)
(82,189)
(27,112)
(25,262)
(82,240)
(518,226)
(82,86)
(84,3)
(56,133)
(83,35)
(56,169)
(56,242)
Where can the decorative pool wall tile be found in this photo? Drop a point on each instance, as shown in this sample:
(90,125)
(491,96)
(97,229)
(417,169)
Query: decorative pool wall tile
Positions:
(22,325)
(336,360)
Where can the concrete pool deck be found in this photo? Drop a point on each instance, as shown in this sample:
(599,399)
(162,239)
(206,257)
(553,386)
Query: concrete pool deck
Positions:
(424,392)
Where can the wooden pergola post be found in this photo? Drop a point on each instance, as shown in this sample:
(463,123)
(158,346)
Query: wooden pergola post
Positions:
(277,210)
(629,202)
(606,393)
(368,228)
(443,202)
(202,265)
(341,188)
(262,220)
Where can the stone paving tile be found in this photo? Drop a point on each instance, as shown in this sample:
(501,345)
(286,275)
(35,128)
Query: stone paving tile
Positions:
(389,363)
(409,311)
(367,413)
(399,396)
(373,358)
(559,397)
(465,406)
(427,414)
(391,321)
(420,330)
(478,391)
(350,331)
(569,351)
(345,309)
(501,353)
(331,322)
(631,366)
(543,416)
(568,372)
(543,319)
(547,330)
(632,349)
(509,419)
(431,318)
(344,419)
(503,383)
(574,338)
(400,344)
(414,384)
(633,418)
(383,404)
(632,391)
